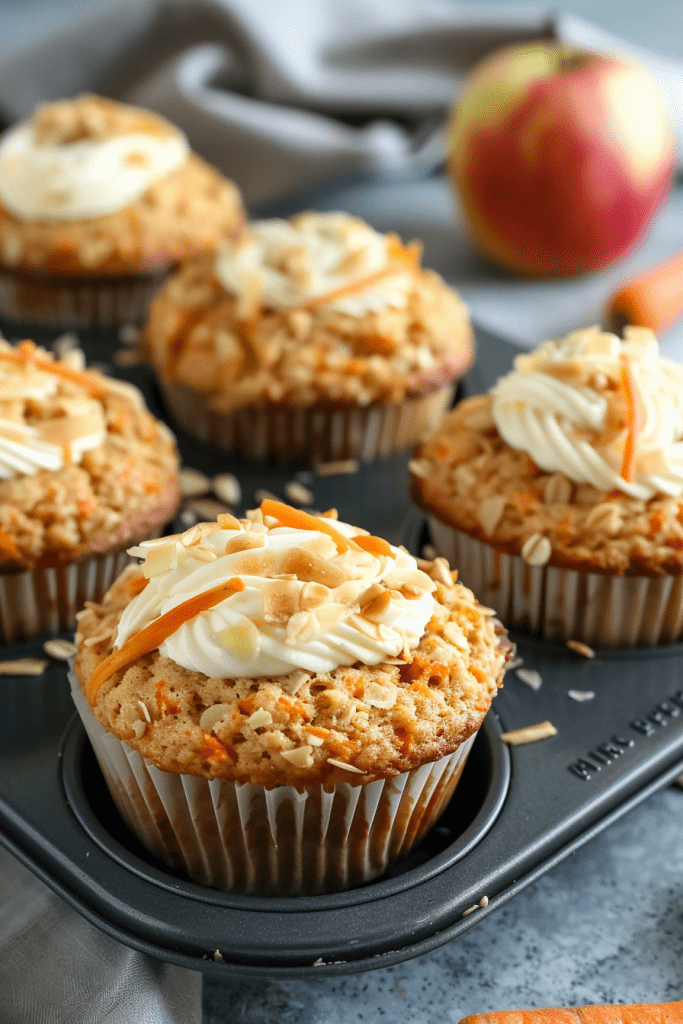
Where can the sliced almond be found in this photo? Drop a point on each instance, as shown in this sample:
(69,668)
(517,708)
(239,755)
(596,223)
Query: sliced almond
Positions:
(62,650)
(346,767)
(583,649)
(529,734)
(298,494)
(338,467)
(227,488)
(160,559)
(193,484)
(23,667)
(300,757)
(260,719)
(536,549)
(212,715)
(208,508)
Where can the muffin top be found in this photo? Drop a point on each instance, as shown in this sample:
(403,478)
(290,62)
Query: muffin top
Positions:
(89,184)
(83,466)
(317,308)
(582,444)
(286,648)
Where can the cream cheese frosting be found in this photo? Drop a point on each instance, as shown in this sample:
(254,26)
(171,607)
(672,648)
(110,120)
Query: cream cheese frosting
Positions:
(86,178)
(284,264)
(75,423)
(305,604)
(600,410)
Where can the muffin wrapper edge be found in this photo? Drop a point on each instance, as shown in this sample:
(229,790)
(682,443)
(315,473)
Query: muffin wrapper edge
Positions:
(566,604)
(244,838)
(309,434)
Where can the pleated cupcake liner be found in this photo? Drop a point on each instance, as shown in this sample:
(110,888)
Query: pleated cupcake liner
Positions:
(72,303)
(311,434)
(567,604)
(37,601)
(248,839)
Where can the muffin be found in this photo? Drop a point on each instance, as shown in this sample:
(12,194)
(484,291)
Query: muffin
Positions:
(315,338)
(560,493)
(98,201)
(85,471)
(283,704)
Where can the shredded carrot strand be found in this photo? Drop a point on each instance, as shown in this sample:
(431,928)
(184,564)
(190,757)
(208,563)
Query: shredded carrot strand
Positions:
(634,420)
(300,520)
(652,299)
(149,638)
(8,547)
(375,545)
(408,255)
(26,355)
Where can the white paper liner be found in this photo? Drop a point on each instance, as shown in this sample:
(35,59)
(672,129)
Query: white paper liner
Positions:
(68,302)
(36,601)
(317,433)
(247,839)
(566,604)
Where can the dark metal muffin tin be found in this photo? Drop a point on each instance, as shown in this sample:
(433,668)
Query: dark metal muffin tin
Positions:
(516,812)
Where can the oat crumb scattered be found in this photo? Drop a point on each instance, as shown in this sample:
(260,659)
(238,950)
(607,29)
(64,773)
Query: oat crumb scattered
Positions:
(296,492)
(23,667)
(514,663)
(580,648)
(530,676)
(319,962)
(529,734)
(581,695)
(470,910)
(484,901)
(218,956)
(337,468)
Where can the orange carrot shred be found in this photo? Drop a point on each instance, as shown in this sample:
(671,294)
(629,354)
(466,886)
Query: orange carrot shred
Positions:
(137,585)
(375,545)
(634,421)
(653,299)
(8,548)
(26,355)
(149,638)
(300,520)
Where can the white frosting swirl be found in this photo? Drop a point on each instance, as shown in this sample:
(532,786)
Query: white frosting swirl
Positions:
(565,405)
(260,631)
(87,178)
(75,425)
(287,263)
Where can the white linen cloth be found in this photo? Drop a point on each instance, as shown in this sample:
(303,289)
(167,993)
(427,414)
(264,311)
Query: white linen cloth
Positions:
(283,97)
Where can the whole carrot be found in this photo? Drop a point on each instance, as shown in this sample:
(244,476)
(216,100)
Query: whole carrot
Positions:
(639,1013)
(652,299)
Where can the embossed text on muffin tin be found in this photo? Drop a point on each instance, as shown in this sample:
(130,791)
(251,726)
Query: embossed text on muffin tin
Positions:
(608,752)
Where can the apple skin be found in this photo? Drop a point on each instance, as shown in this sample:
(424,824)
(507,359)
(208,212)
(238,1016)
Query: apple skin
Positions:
(560,157)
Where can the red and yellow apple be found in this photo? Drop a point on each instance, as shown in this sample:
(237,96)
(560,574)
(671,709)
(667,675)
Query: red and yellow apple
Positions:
(560,157)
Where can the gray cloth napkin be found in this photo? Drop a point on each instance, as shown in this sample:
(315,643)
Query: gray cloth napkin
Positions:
(285,97)
(56,967)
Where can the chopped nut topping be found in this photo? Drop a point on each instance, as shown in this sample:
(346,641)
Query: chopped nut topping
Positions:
(260,718)
(300,756)
(440,572)
(212,715)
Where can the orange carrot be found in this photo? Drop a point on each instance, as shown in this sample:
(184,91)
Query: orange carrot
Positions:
(8,548)
(149,638)
(300,520)
(635,419)
(652,299)
(408,255)
(639,1013)
(137,585)
(375,545)
(26,355)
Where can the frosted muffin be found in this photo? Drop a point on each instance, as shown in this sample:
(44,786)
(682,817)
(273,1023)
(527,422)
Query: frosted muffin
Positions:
(560,492)
(85,470)
(315,338)
(98,201)
(299,690)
